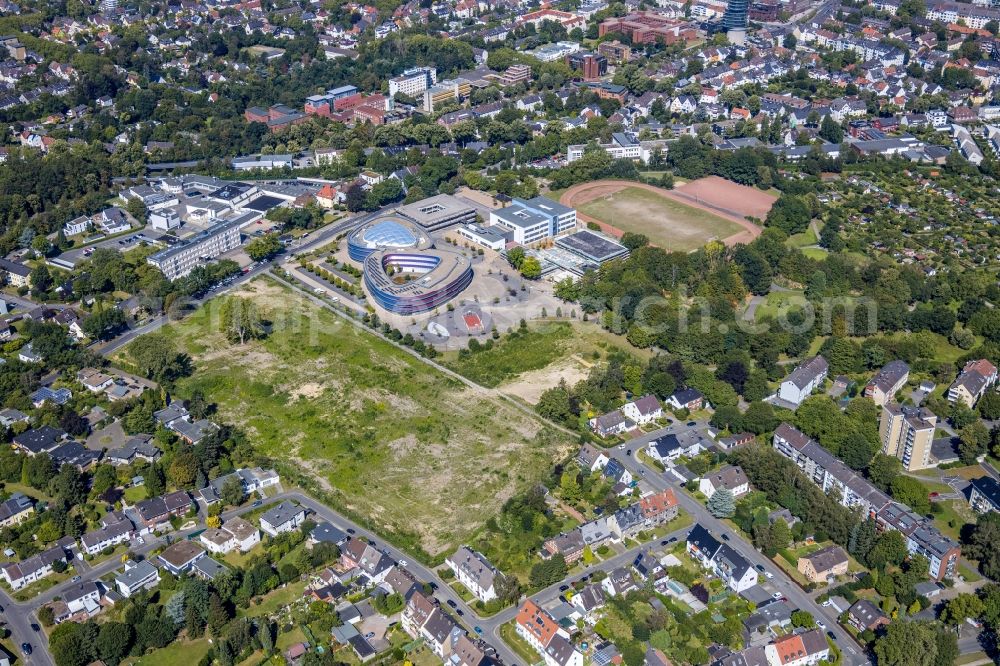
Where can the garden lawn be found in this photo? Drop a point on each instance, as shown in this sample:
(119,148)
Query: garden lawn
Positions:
(380,434)
(178,652)
(276,599)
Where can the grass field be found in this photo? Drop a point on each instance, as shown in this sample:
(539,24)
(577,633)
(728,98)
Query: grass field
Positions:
(386,436)
(527,364)
(667,223)
(778,302)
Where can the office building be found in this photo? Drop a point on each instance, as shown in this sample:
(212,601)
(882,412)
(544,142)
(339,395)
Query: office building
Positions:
(413,82)
(535,219)
(590,65)
(180,259)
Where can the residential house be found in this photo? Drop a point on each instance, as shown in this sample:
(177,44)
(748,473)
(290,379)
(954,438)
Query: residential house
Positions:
(730,477)
(797,386)
(610,424)
(284,517)
(591,458)
(658,508)
(370,560)
(475,572)
(616,471)
(115,529)
(669,448)
(644,410)
(179,557)
(618,582)
(883,387)
(589,600)
(546,636)
(724,561)
(569,544)
(155,513)
(972,382)
(16,509)
(422,618)
(140,447)
(44,439)
(627,522)
(327,533)
(866,615)
(137,576)
(235,534)
(27,571)
(251,481)
(686,398)
(81,601)
(824,564)
(803,649)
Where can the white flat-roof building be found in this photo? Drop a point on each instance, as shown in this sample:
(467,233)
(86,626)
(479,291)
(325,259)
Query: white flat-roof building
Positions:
(181,259)
(535,219)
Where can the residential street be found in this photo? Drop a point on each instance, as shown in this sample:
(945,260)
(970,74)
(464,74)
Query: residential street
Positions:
(852,652)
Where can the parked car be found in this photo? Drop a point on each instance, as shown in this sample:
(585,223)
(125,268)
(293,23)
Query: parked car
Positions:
(26,648)
(74,579)
(451,602)
(478,630)
(725,537)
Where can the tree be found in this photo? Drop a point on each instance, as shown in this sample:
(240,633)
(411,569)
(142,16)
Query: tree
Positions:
(263,247)
(265,633)
(355,198)
(889,548)
(883,470)
(982,544)
(830,130)
(183,468)
(989,406)
(531,268)
(232,491)
(104,324)
(548,572)
(907,643)
(721,504)
(157,357)
(41,279)
(975,440)
(241,320)
(909,491)
(46,616)
(515,256)
(963,606)
(113,642)
(508,589)
(71,645)
(801,618)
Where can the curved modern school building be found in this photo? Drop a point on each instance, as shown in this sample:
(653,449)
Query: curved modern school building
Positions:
(411,282)
(385,233)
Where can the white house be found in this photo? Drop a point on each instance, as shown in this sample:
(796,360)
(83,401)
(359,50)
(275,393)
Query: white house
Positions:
(644,410)
(730,477)
(137,576)
(797,386)
(474,572)
(283,518)
(722,560)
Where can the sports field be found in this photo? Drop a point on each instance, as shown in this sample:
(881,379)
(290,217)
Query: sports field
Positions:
(669,224)
(392,439)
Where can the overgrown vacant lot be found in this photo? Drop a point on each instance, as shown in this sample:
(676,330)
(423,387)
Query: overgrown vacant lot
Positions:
(395,440)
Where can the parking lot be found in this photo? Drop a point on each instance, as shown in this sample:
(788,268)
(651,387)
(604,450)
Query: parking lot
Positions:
(70,258)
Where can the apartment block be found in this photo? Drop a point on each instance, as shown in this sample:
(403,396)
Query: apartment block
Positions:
(830,474)
(907,433)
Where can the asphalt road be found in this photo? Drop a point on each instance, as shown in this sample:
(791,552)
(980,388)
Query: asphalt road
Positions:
(797,597)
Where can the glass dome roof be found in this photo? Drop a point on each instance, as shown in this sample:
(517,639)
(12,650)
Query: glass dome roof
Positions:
(389,234)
